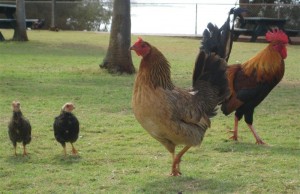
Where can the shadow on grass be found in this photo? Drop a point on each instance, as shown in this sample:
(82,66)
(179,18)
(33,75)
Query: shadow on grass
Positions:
(252,147)
(18,159)
(66,160)
(188,185)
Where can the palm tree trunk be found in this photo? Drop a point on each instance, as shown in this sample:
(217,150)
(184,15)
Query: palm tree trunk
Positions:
(20,32)
(118,57)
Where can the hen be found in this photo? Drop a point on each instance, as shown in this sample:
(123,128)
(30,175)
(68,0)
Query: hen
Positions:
(19,128)
(172,115)
(66,127)
(251,81)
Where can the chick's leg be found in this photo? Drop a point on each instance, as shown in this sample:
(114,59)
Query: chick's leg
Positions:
(258,139)
(15,147)
(65,149)
(176,162)
(235,129)
(24,150)
(74,151)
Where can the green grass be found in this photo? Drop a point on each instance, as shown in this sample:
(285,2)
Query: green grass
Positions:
(115,154)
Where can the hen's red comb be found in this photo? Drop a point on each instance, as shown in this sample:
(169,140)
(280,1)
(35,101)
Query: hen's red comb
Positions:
(277,36)
(139,40)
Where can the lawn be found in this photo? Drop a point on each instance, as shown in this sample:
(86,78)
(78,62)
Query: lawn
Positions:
(115,154)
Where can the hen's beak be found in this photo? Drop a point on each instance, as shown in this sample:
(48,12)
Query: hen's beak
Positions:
(132,48)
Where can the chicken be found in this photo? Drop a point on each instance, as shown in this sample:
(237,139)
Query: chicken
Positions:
(251,81)
(66,127)
(19,128)
(172,115)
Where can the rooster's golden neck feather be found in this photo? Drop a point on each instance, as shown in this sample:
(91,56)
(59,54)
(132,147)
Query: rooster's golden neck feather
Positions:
(266,65)
(155,70)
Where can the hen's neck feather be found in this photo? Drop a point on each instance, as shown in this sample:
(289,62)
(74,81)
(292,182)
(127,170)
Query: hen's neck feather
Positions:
(155,70)
(266,65)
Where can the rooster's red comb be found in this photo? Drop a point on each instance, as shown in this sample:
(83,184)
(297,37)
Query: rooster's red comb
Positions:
(277,35)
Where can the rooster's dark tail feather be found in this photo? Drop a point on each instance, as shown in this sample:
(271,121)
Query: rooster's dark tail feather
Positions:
(220,40)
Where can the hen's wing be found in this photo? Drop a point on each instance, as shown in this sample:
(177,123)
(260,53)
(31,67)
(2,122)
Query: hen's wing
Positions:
(192,110)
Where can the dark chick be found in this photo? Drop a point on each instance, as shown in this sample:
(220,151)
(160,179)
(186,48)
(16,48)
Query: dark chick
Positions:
(66,127)
(19,128)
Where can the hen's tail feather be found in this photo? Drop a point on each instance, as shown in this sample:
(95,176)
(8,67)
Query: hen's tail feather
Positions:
(199,66)
(210,82)
(211,68)
(220,40)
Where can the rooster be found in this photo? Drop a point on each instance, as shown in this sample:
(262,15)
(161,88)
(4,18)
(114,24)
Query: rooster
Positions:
(172,115)
(19,128)
(251,81)
(66,127)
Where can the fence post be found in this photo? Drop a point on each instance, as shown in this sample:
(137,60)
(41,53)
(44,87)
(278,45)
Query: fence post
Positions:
(53,4)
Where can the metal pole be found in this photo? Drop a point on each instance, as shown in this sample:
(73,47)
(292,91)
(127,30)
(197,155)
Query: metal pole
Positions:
(53,13)
(196,20)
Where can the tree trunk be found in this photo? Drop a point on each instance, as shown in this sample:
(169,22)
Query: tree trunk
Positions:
(118,57)
(20,32)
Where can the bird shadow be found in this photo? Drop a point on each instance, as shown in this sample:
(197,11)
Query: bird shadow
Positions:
(184,184)
(17,159)
(67,160)
(231,146)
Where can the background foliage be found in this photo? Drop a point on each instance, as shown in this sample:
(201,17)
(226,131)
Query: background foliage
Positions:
(92,15)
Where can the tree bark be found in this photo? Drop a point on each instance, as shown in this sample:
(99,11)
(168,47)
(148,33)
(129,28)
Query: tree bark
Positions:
(118,57)
(20,33)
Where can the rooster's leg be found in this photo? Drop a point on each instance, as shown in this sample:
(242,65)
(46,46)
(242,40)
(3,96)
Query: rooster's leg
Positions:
(235,129)
(74,151)
(258,139)
(176,161)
